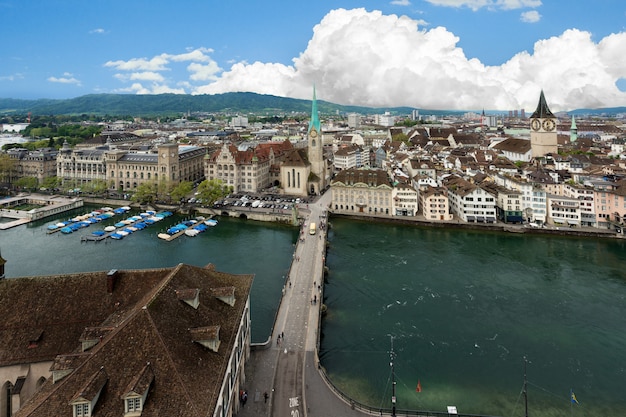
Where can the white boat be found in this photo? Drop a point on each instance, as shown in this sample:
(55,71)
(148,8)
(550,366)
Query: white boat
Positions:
(109,229)
(164,236)
(211,222)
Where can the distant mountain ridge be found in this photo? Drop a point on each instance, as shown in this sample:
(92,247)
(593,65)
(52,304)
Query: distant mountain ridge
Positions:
(141,105)
(241,103)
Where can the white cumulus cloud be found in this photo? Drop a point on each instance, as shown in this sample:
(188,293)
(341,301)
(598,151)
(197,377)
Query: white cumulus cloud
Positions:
(401,2)
(490,4)
(67,78)
(368,58)
(531,16)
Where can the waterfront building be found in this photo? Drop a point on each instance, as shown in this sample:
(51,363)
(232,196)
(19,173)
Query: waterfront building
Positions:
(585,195)
(81,165)
(169,341)
(543,132)
(533,196)
(405,200)
(435,204)
(470,202)
(171,163)
(610,204)
(362,191)
(123,169)
(245,170)
(39,164)
(563,211)
(508,203)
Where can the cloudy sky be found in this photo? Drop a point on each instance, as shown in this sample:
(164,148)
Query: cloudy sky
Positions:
(428,54)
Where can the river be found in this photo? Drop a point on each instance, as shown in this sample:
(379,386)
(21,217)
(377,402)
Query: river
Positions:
(234,246)
(463,307)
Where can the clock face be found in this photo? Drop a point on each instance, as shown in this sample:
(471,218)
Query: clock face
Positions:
(548,125)
(535,124)
(313,133)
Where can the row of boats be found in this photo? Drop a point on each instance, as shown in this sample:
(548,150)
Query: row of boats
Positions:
(86,220)
(129,225)
(132,224)
(189,228)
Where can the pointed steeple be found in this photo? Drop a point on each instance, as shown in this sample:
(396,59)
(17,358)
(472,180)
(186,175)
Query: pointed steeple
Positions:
(315,120)
(542,111)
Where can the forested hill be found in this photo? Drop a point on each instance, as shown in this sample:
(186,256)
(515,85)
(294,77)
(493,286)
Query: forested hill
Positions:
(140,105)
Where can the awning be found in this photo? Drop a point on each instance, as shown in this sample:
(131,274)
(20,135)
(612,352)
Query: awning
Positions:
(470,218)
(572,222)
(491,219)
(480,218)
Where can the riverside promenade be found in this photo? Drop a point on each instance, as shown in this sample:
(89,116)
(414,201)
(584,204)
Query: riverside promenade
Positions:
(288,370)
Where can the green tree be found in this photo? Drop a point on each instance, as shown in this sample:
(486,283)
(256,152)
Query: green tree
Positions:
(209,191)
(8,168)
(28,183)
(181,190)
(400,137)
(145,193)
(50,182)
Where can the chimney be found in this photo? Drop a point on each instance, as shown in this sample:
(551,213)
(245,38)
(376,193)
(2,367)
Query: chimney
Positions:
(111,279)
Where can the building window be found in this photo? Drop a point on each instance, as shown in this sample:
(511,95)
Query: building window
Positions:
(82,410)
(133,404)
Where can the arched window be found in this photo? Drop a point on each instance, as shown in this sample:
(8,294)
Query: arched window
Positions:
(5,399)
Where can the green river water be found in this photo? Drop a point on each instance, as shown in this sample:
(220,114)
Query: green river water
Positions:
(463,307)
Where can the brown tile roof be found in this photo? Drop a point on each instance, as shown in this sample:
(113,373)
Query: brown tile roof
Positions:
(371,177)
(296,158)
(150,325)
(520,146)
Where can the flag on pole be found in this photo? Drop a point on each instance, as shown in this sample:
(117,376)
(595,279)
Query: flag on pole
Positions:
(419,386)
(572,397)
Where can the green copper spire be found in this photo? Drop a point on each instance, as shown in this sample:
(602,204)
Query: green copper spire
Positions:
(573,123)
(315,120)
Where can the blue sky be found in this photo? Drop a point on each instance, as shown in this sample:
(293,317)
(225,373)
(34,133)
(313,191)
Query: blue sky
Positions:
(432,54)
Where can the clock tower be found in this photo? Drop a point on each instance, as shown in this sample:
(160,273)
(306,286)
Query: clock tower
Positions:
(316,147)
(543,134)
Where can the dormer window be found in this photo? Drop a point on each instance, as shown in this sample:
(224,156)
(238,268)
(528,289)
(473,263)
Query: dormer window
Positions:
(225,294)
(137,392)
(208,336)
(133,406)
(82,410)
(86,398)
(189,296)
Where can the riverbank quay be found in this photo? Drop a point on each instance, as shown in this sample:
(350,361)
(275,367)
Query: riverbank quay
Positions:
(486,227)
(47,206)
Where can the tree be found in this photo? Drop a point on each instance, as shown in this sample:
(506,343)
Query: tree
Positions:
(50,182)
(209,191)
(8,168)
(145,193)
(28,183)
(181,190)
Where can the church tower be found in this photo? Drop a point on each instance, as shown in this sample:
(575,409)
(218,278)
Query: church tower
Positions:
(543,135)
(316,148)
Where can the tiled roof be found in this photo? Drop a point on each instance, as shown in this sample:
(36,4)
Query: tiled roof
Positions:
(371,177)
(150,325)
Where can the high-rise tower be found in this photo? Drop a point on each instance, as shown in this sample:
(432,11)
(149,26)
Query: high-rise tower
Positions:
(543,135)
